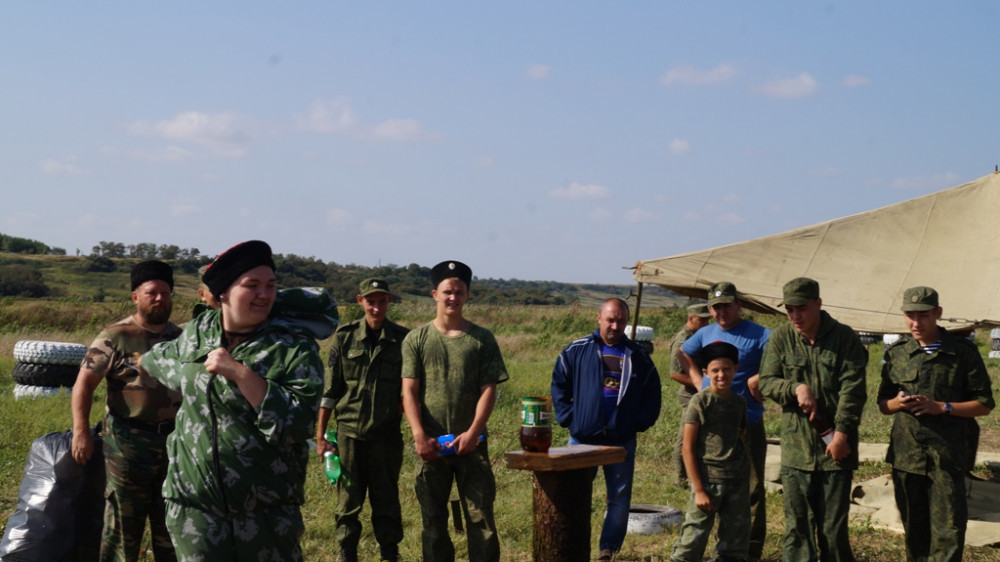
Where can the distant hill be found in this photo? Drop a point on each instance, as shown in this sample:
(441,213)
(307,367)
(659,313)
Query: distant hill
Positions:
(100,278)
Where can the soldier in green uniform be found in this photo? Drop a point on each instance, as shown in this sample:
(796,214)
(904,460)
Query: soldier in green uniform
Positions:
(364,394)
(451,368)
(935,384)
(698,316)
(251,377)
(139,414)
(814,368)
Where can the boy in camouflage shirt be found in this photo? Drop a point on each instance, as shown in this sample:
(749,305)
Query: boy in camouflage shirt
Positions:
(717,463)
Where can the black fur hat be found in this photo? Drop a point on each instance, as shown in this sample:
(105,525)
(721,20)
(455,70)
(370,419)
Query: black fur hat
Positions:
(152,270)
(229,265)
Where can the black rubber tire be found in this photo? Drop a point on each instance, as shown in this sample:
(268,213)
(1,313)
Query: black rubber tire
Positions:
(646,345)
(649,519)
(38,374)
(869,338)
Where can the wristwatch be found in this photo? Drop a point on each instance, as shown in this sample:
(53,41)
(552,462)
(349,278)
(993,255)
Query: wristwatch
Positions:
(947,408)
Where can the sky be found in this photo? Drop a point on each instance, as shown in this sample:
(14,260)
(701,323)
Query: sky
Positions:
(556,140)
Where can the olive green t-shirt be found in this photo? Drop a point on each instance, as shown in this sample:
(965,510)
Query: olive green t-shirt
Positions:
(452,371)
(720,451)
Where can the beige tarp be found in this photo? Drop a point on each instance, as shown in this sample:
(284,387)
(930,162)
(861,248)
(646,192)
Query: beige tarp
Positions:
(949,240)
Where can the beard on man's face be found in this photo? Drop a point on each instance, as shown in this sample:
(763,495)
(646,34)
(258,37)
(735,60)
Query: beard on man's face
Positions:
(155,314)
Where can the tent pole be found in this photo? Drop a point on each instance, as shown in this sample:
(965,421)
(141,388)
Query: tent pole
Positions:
(635,318)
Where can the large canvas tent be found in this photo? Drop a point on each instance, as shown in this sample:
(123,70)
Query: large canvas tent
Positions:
(949,240)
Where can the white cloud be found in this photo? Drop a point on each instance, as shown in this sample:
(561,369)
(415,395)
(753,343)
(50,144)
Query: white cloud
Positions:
(691,76)
(856,81)
(539,71)
(600,215)
(799,87)
(330,116)
(729,219)
(679,146)
(637,214)
(223,134)
(184,209)
(168,153)
(386,229)
(339,217)
(400,130)
(576,191)
(484,162)
(65,167)
(936,182)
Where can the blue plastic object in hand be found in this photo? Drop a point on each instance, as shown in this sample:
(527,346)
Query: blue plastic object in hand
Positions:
(447,443)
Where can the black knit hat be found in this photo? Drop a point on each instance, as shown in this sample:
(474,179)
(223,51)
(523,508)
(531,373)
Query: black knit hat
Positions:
(718,350)
(152,270)
(449,269)
(229,265)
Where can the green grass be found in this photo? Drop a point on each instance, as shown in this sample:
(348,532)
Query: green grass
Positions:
(530,338)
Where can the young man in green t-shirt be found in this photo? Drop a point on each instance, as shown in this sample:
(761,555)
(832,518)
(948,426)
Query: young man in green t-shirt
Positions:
(716,461)
(451,368)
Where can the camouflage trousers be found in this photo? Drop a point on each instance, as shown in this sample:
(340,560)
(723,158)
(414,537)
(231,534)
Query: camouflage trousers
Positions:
(270,535)
(369,467)
(731,502)
(476,491)
(683,398)
(934,511)
(816,508)
(135,462)
(755,440)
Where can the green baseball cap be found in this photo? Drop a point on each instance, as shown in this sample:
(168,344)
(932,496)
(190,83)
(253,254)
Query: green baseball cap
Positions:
(799,291)
(721,292)
(699,310)
(373,285)
(919,298)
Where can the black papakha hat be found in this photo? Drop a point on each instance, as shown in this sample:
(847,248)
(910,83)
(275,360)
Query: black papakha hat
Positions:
(449,269)
(152,270)
(718,350)
(229,265)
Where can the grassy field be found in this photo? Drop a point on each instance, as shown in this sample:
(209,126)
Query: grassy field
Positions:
(530,338)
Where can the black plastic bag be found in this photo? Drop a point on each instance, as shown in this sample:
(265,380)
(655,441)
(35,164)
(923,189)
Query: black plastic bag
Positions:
(60,505)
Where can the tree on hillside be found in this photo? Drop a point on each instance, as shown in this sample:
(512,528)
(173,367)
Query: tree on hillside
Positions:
(21,281)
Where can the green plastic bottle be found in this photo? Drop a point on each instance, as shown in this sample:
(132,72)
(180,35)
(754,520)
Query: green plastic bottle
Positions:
(331,460)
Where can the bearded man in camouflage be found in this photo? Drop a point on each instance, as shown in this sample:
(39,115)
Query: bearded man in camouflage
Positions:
(139,414)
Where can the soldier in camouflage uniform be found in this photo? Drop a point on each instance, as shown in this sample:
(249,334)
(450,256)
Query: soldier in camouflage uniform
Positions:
(718,463)
(139,415)
(451,368)
(251,376)
(814,368)
(934,383)
(697,317)
(365,390)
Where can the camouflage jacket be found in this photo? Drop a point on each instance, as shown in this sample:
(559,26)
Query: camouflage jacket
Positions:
(954,373)
(834,369)
(262,452)
(131,396)
(676,366)
(365,383)
(719,449)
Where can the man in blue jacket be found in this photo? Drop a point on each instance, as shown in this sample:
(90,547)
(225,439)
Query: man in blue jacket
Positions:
(605,389)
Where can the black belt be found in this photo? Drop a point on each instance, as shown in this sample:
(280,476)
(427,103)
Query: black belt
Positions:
(160,428)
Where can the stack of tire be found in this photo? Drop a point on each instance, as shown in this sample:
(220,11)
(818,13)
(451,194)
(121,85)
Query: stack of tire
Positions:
(643,337)
(45,368)
(995,343)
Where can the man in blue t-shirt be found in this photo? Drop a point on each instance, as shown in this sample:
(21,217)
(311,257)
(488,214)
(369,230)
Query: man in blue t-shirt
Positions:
(749,338)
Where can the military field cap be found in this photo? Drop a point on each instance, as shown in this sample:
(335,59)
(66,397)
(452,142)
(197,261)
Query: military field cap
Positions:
(799,291)
(229,265)
(373,285)
(919,298)
(718,350)
(699,310)
(721,292)
(152,270)
(449,269)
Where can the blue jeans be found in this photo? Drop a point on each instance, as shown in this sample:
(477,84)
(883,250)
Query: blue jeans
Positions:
(618,481)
